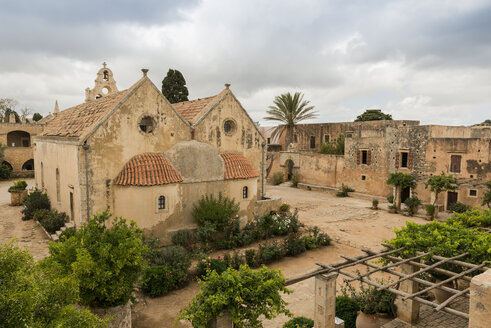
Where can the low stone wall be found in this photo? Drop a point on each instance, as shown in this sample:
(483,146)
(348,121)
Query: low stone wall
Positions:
(264,206)
(121,315)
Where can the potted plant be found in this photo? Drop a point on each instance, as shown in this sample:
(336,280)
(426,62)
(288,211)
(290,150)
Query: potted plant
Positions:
(18,192)
(413,203)
(393,208)
(430,211)
(374,204)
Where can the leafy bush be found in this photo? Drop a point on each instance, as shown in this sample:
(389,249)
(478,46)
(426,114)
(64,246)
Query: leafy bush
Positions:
(369,299)
(323,239)
(251,258)
(158,280)
(390,199)
(178,261)
(5,171)
(472,218)
(430,209)
(346,309)
(246,294)
(207,265)
(486,198)
(36,295)
(344,191)
(458,208)
(299,322)
(19,185)
(51,220)
(374,203)
(444,239)
(185,238)
(67,233)
(105,260)
(309,242)
(270,253)
(294,180)
(333,148)
(36,200)
(278,178)
(412,202)
(284,207)
(293,244)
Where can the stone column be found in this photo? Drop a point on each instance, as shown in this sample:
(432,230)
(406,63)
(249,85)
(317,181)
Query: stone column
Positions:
(325,300)
(408,310)
(480,302)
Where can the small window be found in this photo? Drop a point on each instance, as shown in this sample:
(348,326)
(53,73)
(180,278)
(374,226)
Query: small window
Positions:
(269,140)
(295,138)
(364,157)
(147,124)
(472,193)
(161,203)
(229,127)
(245,192)
(327,138)
(312,142)
(349,135)
(363,177)
(106,76)
(404,158)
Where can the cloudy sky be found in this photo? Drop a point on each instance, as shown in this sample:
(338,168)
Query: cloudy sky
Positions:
(424,60)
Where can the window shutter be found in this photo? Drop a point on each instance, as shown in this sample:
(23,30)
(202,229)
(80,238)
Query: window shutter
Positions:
(397,159)
(410,160)
(358,157)
(369,157)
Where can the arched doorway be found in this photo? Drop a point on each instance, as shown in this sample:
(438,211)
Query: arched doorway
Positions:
(18,139)
(405,194)
(28,165)
(289,169)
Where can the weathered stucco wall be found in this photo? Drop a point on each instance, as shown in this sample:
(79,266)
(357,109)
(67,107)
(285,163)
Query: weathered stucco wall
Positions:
(120,138)
(62,156)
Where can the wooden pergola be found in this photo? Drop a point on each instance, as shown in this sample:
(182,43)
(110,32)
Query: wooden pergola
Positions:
(407,273)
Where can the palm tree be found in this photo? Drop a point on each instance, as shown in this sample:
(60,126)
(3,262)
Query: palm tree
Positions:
(290,111)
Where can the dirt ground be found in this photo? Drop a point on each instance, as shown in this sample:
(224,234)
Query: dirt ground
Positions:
(349,221)
(27,233)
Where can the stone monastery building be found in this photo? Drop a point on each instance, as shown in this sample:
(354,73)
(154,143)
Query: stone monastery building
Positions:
(139,156)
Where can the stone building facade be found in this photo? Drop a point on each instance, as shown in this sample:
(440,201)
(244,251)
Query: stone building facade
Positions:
(374,150)
(16,138)
(139,156)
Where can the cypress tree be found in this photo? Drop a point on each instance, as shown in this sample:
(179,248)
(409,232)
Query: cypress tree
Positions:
(174,87)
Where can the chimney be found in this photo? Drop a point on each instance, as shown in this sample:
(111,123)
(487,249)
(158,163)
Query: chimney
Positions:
(145,71)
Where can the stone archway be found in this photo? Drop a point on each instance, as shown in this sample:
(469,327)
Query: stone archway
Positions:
(28,165)
(18,138)
(8,164)
(289,169)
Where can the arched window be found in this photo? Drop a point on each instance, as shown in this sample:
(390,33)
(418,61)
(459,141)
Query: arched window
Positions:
(245,192)
(105,76)
(58,192)
(161,203)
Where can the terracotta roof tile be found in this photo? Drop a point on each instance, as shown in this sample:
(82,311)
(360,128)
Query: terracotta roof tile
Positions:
(78,120)
(238,167)
(148,169)
(193,110)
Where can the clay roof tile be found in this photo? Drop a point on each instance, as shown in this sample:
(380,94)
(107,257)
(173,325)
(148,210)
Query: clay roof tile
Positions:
(238,167)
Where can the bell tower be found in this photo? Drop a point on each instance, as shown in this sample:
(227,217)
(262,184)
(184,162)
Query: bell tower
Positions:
(104,84)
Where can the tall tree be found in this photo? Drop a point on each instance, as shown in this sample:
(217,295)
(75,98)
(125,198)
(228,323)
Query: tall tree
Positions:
(487,122)
(36,117)
(401,181)
(373,115)
(290,111)
(7,106)
(440,183)
(174,87)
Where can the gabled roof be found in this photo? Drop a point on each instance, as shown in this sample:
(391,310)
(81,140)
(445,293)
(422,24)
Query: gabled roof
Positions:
(193,110)
(80,120)
(238,167)
(148,169)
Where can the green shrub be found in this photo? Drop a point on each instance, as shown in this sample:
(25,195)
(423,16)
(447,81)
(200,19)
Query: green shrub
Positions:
(178,261)
(323,239)
(299,322)
(459,208)
(208,265)
(293,244)
(105,260)
(5,171)
(158,280)
(278,178)
(284,207)
(344,191)
(346,309)
(374,203)
(369,299)
(390,199)
(51,220)
(412,202)
(472,218)
(185,238)
(67,233)
(247,295)
(347,189)
(19,185)
(430,209)
(309,242)
(36,200)
(251,258)
(486,197)
(270,253)
(294,180)
(237,260)
(333,147)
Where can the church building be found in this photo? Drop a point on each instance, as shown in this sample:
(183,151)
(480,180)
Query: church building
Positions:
(139,156)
